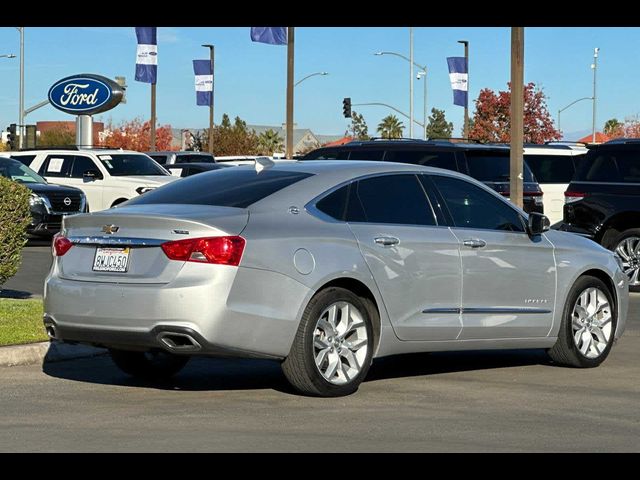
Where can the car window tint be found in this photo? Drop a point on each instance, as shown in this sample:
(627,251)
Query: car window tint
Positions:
(366,154)
(229,187)
(335,203)
(161,159)
(492,166)
(443,159)
(628,163)
(551,168)
(599,167)
(24,159)
(56,166)
(394,199)
(472,207)
(326,154)
(191,158)
(81,165)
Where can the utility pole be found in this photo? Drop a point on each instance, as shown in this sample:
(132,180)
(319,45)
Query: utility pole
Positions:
(466,107)
(517,115)
(411,82)
(595,68)
(290,51)
(212,56)
(21,112)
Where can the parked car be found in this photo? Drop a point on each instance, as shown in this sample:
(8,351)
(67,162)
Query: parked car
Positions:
(107,177)
(603,202)
(554,165)
(324,266)
(247,159)
(188,169)
(487,163)
(170,158)
(49,203)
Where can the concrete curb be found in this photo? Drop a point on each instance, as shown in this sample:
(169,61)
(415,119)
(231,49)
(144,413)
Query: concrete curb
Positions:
(45,352)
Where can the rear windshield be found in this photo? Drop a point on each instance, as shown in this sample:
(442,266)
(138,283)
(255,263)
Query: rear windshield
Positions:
(228,187)
(126,164)
(194,158)
(553,168)
(492,167)
(620,166)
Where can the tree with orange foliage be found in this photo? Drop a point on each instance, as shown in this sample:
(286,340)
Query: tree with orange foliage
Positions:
(629,129)
(136,135)
(492,118)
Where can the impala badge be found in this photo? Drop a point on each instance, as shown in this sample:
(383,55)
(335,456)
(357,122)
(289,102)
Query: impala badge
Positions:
(109,229)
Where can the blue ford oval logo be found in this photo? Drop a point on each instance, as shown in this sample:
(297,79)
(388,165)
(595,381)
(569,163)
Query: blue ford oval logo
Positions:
(85,94)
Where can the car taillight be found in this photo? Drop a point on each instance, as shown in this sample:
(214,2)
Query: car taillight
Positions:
(60,245)
(571,197)
(218,250)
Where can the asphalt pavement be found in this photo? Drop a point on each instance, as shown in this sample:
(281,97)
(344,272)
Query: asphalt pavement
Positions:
(481,402)
(29,281)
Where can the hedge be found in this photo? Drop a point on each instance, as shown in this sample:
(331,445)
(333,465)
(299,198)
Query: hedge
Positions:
(15,216)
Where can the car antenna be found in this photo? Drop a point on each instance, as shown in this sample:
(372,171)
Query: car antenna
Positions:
(263,163)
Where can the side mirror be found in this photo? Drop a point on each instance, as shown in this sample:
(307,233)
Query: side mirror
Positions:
(538,224)
(91,175)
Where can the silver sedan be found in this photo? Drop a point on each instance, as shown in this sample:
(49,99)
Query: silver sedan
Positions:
(324,266)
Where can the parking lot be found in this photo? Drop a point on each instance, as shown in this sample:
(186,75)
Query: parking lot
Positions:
(484,401)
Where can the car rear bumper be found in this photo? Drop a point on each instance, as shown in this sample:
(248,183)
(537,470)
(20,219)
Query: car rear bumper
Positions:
(248,312)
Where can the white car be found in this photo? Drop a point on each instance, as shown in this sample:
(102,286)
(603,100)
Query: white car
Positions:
(553,166)
(247,159)
(107,177)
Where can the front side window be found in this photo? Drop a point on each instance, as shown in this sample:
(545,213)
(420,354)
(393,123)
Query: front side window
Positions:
(82,165)
(130,164)
(229,187)
(472,207)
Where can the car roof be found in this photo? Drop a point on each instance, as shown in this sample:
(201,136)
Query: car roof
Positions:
(416,143)
(181,152)
(100,151)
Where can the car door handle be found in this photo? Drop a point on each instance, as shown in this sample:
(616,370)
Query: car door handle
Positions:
(474,243)
(387,241)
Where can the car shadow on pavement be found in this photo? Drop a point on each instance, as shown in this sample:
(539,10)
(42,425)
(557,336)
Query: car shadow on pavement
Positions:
(211,374)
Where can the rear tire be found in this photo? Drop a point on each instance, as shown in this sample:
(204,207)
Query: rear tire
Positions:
(152,365)
(627,246)
(588,325)
(333,348)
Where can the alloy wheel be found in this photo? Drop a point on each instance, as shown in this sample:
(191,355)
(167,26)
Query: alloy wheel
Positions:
(591,322)
(629,251)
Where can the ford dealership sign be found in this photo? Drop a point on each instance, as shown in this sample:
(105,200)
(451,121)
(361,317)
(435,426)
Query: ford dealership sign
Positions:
(85,94)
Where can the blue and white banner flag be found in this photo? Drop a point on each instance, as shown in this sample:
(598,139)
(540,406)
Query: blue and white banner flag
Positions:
(147,56)
(204,82)
(459,76)
(270,35)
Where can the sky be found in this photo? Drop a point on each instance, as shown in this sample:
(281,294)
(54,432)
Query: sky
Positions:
(250,78)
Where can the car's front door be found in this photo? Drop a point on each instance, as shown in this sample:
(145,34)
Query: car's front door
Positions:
(93,187)
(509,278)
(414,261)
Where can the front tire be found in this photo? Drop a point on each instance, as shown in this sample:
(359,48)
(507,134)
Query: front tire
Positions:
(332,351)
(151,365)
(588,325)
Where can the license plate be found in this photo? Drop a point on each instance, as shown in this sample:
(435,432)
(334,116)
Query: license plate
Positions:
(111,260)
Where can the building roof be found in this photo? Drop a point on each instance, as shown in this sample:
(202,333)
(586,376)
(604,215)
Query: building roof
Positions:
(340,141)
(600,138)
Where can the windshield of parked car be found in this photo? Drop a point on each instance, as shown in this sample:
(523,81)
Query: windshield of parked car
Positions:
(130,164)
(493,166)
(20,173)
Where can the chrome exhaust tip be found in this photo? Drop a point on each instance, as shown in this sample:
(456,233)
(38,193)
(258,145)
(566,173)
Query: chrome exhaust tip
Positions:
(178,342)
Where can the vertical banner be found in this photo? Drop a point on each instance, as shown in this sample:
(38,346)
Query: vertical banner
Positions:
(204,82)
(459,76)
(270,35)
(147,55)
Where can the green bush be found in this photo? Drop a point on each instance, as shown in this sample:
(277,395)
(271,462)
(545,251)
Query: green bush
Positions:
(15,215)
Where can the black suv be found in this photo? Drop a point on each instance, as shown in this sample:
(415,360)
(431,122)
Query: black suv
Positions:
(487,163)
(602,202)
(49,203)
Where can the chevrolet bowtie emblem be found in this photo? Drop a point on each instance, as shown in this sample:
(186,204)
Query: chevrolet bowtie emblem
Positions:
(110,229)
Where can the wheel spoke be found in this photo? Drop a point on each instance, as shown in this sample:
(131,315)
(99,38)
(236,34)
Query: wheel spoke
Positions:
(633,280)
(600,336)
(351,358)
(577,336)
(586,341)
(322,354)
(320,343)
(345,371)
(331,318)
(334,363)
(356,345)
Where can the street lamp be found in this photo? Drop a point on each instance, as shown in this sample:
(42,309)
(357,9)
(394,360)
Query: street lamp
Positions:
(211,53)
(572,103)
(421,73)
(21,111)
(594,66)
(8,55)
(309,76)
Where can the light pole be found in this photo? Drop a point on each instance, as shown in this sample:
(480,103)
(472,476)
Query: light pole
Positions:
(21,111)
(211,53)
(411,82)
(309,76)
(422,73)
(466,107)
(572,103)
(7,55)
(594,66)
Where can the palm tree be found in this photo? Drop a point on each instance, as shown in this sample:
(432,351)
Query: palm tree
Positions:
(270,142)
(390,127)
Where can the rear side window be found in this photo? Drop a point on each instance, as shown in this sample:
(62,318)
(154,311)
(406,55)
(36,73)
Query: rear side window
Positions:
(551,168)
(161,159)
(327,154)
(366,155)
(610,166)
(56,166)
(492,166)
(190,158)
(391,199)
(335,203)
(443,159)
(25,159)
(229,187)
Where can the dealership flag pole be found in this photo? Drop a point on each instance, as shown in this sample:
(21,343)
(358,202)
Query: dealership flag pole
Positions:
(147,70)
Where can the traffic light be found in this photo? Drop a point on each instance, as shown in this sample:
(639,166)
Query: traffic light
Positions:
(346,107)
(11,137)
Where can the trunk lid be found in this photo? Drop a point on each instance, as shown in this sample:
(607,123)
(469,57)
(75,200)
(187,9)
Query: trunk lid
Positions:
(141,229)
